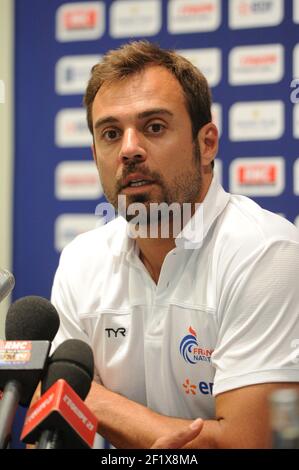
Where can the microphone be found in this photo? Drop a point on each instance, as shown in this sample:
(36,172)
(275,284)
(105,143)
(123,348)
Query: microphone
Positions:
(31,318)
(60,419)
(7,283)
(31,323)
(73,362)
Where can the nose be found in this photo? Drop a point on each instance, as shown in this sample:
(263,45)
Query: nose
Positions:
(131,147)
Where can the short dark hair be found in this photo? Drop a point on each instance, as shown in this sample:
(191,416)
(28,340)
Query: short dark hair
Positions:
(136,56)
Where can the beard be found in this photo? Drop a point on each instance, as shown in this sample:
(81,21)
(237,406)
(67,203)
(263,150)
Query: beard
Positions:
(183,188)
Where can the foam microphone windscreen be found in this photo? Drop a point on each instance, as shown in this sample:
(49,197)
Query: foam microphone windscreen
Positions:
(31,318)
(31,324)
(73,362)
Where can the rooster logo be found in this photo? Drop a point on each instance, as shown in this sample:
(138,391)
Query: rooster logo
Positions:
(187,344)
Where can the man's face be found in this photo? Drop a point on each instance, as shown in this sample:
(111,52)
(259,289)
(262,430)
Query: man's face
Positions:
(143,142)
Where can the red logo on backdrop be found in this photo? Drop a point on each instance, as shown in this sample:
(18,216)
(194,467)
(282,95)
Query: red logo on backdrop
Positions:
(74,180)
(244,8)
(266,59)
(80,19)
(257,174)
(197,9)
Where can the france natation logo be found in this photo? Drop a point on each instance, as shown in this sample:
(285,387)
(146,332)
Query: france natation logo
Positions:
(191,350)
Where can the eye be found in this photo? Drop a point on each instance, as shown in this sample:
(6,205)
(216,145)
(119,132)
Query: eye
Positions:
(155,128)
(111,134)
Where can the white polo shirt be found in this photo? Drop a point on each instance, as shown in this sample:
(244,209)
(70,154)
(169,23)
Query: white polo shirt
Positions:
(223,315)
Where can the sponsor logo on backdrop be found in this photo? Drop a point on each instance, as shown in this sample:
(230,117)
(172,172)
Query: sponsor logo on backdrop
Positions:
(80,21)
(255,14)
(77,180)
(69,226)
(257,176)
(256,64)
(296,177)
(193,16)
(217,116)
(2,92)
(296,61)
(73,72)
(130,18)
(296,11)
(208,61)
(71,128)
(256,120)
(296,121)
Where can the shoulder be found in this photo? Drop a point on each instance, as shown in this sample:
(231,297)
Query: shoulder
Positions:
(245,231)
(86,264)
(95,247)
(264,223)
(245,224)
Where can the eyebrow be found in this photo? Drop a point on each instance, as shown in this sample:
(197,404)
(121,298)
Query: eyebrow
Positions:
(144,114)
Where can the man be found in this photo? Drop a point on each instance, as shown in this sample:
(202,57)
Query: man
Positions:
(199,323)
(178,439)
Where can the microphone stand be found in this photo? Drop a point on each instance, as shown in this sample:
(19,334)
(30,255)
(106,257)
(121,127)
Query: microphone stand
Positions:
(49,440)
(8,408)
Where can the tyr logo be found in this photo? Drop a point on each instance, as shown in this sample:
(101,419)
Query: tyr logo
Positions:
(122,331)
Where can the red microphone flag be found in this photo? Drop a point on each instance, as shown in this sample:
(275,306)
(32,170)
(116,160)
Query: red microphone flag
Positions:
(61,408)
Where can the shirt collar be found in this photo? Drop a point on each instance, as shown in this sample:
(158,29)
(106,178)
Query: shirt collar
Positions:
(194,232)
(119,242)
(207,212)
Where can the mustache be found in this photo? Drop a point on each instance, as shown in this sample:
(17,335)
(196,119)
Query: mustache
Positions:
(138,168)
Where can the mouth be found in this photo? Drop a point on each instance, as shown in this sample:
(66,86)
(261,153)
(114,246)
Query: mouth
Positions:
(137,187)
(136,182)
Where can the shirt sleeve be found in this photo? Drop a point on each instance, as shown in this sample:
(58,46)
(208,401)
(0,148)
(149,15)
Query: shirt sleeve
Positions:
(259,320)
(63,300)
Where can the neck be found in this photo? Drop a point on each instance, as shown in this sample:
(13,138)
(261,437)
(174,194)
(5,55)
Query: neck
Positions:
(154,250)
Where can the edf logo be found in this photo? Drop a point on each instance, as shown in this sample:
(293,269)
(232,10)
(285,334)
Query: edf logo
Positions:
(205,388)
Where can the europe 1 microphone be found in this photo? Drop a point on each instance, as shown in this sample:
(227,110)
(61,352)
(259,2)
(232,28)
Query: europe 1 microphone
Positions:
(60,419)
(31,324)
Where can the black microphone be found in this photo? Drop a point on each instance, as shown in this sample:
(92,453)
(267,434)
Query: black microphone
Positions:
(7,283)
(31,318)
(31,323)
(60,419)
(73,362)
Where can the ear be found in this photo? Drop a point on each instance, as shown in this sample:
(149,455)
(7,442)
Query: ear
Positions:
(208,143)
(93,150)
